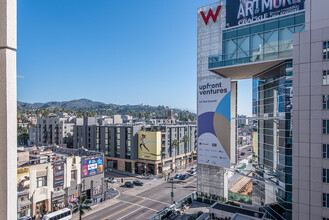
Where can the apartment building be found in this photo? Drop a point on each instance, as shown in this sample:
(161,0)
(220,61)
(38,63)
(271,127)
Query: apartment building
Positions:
(120,144)
(55,131)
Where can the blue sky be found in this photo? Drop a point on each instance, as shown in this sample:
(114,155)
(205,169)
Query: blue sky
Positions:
(114,51)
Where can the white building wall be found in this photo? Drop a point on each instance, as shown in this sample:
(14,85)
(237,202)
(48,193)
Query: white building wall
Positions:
(8,109)
(308,114)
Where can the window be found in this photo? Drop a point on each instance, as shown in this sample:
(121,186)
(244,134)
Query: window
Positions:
(325,127)
(325,77)
(42,181)
(325,175)
(326,50)
(325,151)
(73,175)
(325,200)
(325,102)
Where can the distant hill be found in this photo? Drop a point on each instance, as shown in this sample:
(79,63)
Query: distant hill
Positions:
(68,105)
(100,108)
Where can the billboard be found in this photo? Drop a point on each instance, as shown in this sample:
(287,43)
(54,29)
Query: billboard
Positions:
(214,122)
(23,180)
(149,145)
(239,12)
(92,166)
(58,174)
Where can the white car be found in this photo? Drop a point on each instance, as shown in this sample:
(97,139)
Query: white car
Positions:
(193,173)
(111,180)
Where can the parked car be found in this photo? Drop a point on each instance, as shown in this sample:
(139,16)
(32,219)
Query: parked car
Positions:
(243,153)
(129,185)
(184,177)
(138,183)
(193,173)
(178,175)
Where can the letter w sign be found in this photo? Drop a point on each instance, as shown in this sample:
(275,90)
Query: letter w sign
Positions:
(214,17)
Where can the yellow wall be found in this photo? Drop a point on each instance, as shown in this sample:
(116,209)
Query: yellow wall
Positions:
(255,144)
(152,141)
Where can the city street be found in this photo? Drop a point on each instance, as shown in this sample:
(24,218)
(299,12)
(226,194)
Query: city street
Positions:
(142,202)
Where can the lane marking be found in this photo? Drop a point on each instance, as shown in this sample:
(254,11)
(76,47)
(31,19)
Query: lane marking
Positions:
(189,182)
(141,206)
(124,209)
(129,213)
(151,199)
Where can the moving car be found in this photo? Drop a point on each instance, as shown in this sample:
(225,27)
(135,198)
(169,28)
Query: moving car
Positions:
(178,175)
(138,183)
(111,180)
(129,185)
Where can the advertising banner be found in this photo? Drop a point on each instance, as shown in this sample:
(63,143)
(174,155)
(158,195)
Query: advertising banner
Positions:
(92,166)
(97,190)
(23,180)
(73,198)
(58,174)
(239,12)
(149,145)
(214,122)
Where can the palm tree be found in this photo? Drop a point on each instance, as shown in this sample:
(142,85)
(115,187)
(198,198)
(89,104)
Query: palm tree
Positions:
(175,143)
(82,204)
(185,140)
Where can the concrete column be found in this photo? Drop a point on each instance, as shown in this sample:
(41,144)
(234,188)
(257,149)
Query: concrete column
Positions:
(8,110)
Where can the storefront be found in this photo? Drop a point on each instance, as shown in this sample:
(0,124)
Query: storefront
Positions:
(128,166)
(23,207)
(58,203)
(97,193)
(41,209)
(58,200)
(112,164)
(25,211)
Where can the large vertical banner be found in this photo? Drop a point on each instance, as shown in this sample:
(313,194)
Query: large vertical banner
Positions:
(214,122)
(58,174)
(149,145)
(23,180)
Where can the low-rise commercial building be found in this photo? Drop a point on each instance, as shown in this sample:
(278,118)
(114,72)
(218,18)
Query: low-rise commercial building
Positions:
(54,177)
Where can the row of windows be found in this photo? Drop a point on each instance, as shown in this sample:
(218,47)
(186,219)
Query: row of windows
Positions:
(326,50)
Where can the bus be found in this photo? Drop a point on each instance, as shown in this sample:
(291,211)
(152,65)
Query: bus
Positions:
(63,214)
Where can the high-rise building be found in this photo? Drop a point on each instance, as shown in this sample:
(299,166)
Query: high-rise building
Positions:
(283,47)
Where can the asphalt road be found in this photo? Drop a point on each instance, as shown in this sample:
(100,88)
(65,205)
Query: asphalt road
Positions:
(247,150)
(145,204)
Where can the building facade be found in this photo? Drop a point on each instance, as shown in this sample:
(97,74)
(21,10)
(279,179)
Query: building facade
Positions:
(58,131)
(53,177)
(120,144)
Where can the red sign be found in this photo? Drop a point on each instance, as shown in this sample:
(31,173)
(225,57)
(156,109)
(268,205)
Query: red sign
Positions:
(214,17)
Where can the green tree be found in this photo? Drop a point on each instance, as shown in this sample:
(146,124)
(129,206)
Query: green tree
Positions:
(175,144)
(81,205)
(185,140)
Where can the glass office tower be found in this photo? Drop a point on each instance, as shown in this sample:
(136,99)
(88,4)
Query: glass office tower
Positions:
(263,51)
(272,108)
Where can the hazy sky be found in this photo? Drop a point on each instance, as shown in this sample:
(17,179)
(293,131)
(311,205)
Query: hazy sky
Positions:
(114,51)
